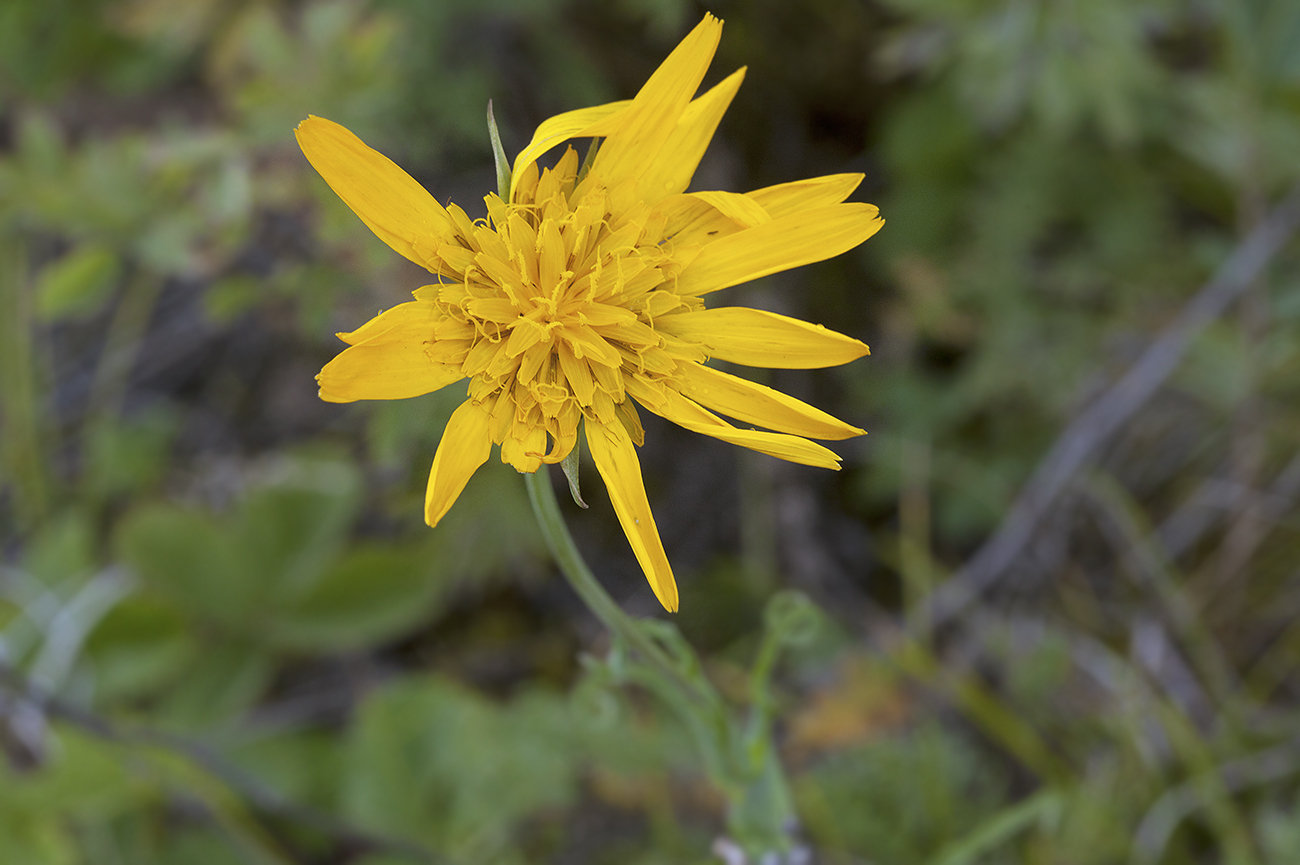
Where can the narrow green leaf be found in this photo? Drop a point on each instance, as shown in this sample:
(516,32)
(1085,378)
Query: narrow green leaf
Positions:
(570,466)
(499,156)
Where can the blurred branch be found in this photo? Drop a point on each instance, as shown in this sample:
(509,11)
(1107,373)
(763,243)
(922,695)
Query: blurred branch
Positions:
(261,797)
(1092,428)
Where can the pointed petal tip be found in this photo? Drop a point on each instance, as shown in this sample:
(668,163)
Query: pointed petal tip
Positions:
(615,457)
(666,595)
(433,514)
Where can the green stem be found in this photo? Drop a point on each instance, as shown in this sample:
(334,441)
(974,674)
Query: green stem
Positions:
(746,768)
(593,594)
(22,450)
(122,344)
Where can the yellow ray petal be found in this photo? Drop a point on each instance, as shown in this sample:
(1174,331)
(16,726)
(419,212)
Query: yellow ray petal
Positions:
(670,170)
(415,315)
(615,458)
(655,111)
(791,241)
(383,371)
(595,122)
(786,198)
(689,415)
(397,209)
(756,404)
(387,358)
(465,446)
(754,337)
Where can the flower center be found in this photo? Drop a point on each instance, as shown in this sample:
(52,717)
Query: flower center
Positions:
(553,309)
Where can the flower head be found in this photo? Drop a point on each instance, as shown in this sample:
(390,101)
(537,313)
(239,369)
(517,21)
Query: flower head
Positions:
(580,296)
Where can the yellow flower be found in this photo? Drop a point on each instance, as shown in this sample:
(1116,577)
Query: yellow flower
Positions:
(581,295)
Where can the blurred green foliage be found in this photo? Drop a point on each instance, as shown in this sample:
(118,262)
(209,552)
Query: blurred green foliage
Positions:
(260,654)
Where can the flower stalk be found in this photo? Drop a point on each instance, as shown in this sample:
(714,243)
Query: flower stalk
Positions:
(622,626)
(738,753)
